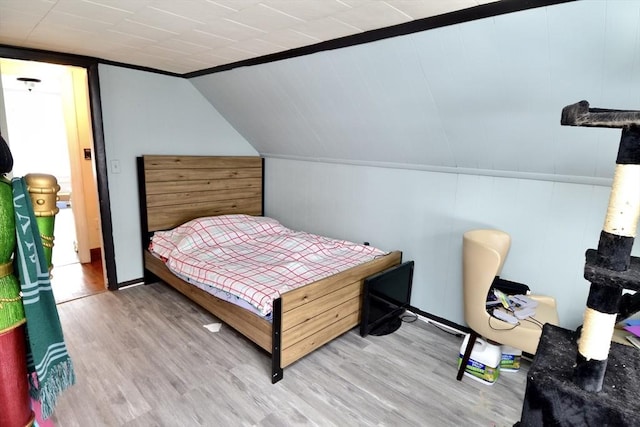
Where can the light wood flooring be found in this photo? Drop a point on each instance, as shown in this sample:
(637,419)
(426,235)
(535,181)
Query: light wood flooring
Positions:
(143,358)
(73,281)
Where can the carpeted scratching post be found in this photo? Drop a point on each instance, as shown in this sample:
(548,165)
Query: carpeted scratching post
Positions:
(610,269)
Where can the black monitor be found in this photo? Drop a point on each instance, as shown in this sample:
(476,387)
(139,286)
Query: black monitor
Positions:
(386,296)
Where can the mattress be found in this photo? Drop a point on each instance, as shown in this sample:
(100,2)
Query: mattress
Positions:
(253,260)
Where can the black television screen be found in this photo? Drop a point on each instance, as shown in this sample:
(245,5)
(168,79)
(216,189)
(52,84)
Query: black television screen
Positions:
(386,295)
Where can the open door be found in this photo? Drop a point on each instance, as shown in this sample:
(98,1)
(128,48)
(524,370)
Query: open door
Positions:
(99,159)
(57,143)
(80,148)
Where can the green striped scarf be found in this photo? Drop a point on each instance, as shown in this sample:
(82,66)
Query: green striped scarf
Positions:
(47,355)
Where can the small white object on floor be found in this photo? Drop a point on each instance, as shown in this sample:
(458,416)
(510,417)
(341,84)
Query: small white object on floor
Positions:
(213,327)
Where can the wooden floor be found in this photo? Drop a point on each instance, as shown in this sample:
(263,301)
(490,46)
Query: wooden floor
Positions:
(143,358)
(73,281)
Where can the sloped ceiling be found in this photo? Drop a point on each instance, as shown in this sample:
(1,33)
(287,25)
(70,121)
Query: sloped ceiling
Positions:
(478,97)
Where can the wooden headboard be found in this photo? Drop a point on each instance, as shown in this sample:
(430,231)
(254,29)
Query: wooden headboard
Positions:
(176,189)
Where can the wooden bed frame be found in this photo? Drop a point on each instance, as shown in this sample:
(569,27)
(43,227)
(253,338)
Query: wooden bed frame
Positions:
(176,189)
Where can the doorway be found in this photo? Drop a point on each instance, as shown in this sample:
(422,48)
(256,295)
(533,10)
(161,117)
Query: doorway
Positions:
(49,131)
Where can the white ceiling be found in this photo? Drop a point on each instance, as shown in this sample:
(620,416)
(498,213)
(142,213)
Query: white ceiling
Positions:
(182,36)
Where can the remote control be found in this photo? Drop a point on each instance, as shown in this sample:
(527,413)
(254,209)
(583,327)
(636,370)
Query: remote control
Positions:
(505,316)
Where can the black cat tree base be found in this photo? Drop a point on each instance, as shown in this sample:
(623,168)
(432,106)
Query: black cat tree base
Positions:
(553,399)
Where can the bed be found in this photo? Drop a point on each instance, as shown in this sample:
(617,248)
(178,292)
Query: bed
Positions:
(177,189)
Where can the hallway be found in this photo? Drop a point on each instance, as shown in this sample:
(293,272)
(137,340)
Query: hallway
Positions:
(72,280)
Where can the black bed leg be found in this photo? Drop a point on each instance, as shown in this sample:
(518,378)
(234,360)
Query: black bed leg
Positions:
(276,340)
(149,277)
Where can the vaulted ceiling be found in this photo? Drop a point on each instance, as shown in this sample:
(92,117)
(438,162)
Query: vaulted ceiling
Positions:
(480,97)
(182,36)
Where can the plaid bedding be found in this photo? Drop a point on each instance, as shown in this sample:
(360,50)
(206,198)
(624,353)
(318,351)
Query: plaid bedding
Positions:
(255,258)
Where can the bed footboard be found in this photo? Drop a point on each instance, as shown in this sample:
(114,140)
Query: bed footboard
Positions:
(313,315)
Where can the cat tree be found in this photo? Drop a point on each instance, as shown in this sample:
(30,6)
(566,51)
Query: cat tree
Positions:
(599,383)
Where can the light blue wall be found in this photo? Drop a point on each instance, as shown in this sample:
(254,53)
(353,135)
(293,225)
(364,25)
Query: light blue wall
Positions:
(424,214)
(408,142)
(148,113)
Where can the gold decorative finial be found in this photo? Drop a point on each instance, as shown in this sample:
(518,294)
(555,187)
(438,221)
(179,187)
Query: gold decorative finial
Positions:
(43,190)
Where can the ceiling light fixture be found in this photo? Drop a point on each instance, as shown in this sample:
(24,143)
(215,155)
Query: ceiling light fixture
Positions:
(29,82)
